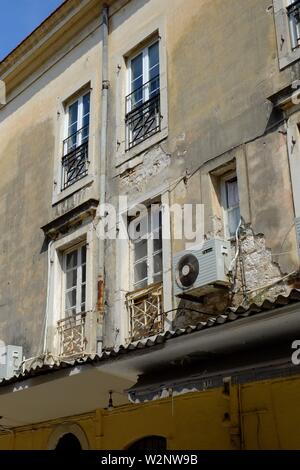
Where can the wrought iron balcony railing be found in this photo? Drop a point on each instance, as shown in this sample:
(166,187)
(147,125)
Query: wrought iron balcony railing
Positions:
(72,337)
(75,160)
(145,308)
(143,115)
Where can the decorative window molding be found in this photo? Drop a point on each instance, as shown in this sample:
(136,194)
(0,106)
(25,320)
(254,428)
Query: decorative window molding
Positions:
(293,146)
(143,116)
(146,251)
(230,204)
(75,158)
(139,43)
(287,24)
(125,292)
(74,165)
(226,203)
(60,318)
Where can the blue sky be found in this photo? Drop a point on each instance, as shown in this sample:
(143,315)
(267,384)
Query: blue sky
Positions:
(19,18)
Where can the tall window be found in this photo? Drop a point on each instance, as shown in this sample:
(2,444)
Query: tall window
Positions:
(143,101)
(147,249)
(231,204)
(75,281)
(293,11)
(75,145)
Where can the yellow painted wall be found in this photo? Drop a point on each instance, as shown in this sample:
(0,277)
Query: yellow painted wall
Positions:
(267,413)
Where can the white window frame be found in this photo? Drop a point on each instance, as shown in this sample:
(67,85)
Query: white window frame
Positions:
(145,79)
(151,253)
(146,34)
(225,179)
(146,70)
(287,54)
(123,260)
(78,99)
(85,235)
(73,93)
(79,283)
(292,27)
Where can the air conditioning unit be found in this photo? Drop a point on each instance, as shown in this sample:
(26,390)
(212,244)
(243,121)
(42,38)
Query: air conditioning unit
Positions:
(10,360)
(197,271)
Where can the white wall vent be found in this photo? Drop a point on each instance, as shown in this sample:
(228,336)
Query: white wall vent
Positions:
(10,360)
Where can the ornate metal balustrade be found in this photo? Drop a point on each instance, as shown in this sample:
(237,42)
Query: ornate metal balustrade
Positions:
(143,116)
(145,309)
(72,338)
(75,160)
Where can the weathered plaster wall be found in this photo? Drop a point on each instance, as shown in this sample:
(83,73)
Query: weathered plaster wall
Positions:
(30,126)
(219,82)
(221,65)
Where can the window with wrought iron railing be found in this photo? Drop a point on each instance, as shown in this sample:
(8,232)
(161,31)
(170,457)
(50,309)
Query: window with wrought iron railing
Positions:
(143,110)
(143,116)
(293,11)
(75,158)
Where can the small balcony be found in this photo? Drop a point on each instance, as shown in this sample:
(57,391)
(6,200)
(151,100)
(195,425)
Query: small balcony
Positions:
(72,335)
(75,160)
(145,308)
(143,115)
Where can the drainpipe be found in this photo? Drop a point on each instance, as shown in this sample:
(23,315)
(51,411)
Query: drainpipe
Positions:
(102,177)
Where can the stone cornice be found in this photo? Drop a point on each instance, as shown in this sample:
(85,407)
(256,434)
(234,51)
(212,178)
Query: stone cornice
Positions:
(49,36)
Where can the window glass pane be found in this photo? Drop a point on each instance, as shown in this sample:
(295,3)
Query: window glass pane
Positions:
(154,69)
(139,228)
(83,294)
(73,118)
(232,193)
(72,259)
(140,271)
(157,242)
(157,263)
(154,57)
(137,71)
(71,299)
(71,278)
(156,218)
(83,273)
(136,81)
(83,254)
(141,285)
(154,87)
(86,104)
(137,98)
(140,250)
(157,278)
(86,117)
(233,220)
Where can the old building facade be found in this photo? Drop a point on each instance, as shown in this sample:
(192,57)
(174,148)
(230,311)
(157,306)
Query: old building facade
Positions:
(110,106)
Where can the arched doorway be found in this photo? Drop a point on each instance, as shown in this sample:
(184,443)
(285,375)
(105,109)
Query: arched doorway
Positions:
(68,436)
(68,443)
(153,443)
